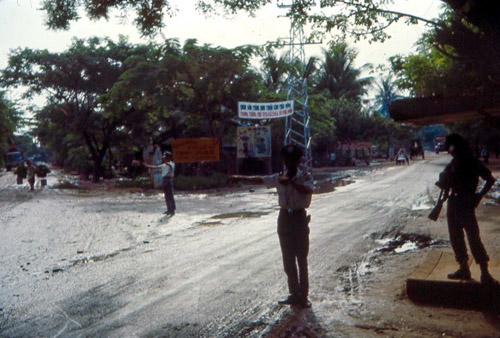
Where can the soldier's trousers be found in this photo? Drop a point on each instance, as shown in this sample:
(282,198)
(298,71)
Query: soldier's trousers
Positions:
(168,191)
(293,232)
(462,217)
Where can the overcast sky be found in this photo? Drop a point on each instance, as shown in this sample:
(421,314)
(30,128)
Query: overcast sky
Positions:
(21,25)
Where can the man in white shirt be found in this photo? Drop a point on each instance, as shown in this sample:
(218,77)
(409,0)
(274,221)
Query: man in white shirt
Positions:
(167,181)
(295,189)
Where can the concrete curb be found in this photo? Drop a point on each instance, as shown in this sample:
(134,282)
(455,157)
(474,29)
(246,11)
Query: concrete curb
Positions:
(429,285)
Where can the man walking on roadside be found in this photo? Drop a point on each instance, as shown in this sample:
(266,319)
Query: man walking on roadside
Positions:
(294,188)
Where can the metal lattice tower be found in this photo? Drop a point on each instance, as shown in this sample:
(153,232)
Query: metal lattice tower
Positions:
(297,129)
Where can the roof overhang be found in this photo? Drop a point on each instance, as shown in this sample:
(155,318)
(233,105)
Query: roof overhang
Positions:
(436,110)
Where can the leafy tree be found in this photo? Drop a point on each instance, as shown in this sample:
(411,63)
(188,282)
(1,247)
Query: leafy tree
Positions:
(188,91)
(322,124)
(358,18)
(149,13)
(470,37)
(459,57)
(10,119)
(73,82)
(275,71)
(386,93)
(215,78)
(355,17)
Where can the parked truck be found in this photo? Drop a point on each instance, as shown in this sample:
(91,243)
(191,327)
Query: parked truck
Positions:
(12,158)
(439,143)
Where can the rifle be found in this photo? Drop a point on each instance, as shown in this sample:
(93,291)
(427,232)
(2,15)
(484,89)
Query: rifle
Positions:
(434,214)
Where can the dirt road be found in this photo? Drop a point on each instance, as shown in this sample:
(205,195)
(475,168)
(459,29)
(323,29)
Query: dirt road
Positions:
(87,263)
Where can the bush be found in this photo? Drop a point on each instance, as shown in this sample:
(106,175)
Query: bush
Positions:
(21,171)
(216,180)
(42,170)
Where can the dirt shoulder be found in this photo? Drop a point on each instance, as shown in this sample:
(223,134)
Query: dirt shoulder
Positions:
(390,313)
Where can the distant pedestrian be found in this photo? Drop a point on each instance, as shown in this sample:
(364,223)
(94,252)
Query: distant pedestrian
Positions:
(459,181)
(295,188)
(167,181)
(31,174)
(485,154)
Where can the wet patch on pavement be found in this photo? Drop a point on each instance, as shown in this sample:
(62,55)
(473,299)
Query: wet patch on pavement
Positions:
(209,223)
(63,184)
(184,329)
(297,323)
(92,259)
(355,278)
(87,259)
(404,242)
(254,321)
(326,186)
(241,214)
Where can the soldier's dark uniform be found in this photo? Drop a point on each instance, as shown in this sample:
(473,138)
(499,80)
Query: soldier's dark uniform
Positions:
(463,181)
(460,181)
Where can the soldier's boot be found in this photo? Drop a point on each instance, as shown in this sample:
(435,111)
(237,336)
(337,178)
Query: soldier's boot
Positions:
(463,273)
(486,278)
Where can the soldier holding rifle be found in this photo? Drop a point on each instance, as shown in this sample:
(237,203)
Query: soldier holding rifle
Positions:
(459,182)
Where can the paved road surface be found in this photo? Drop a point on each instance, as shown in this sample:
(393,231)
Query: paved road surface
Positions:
(109,264)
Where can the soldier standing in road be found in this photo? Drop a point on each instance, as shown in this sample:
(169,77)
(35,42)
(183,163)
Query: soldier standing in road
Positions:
(460,180)
(295,189)
(167,181)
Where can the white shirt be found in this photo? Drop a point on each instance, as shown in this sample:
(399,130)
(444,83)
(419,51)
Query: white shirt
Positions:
(288,196)
(167,169)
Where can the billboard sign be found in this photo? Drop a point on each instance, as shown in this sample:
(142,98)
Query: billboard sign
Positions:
(189,150)
(264,110)
(253,142)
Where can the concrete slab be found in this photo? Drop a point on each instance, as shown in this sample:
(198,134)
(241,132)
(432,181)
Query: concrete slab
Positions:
(429,284)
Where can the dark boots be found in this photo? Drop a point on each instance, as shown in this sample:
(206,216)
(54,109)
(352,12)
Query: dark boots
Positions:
(486,278)
(463,273)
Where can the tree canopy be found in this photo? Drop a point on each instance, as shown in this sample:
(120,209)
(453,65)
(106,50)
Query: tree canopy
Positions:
(73,82)
(10,120)
(103,94)
(355,17)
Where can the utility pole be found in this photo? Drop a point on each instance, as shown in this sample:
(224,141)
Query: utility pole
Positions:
(297,130)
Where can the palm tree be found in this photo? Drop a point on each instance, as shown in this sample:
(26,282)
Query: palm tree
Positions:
(338,75)
(275,71)
(387,91)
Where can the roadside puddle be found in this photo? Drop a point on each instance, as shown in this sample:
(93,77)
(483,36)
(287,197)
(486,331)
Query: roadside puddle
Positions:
(325,183)
(218,219)
(407,242)
(241,214)
(209,223)
(96,258)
